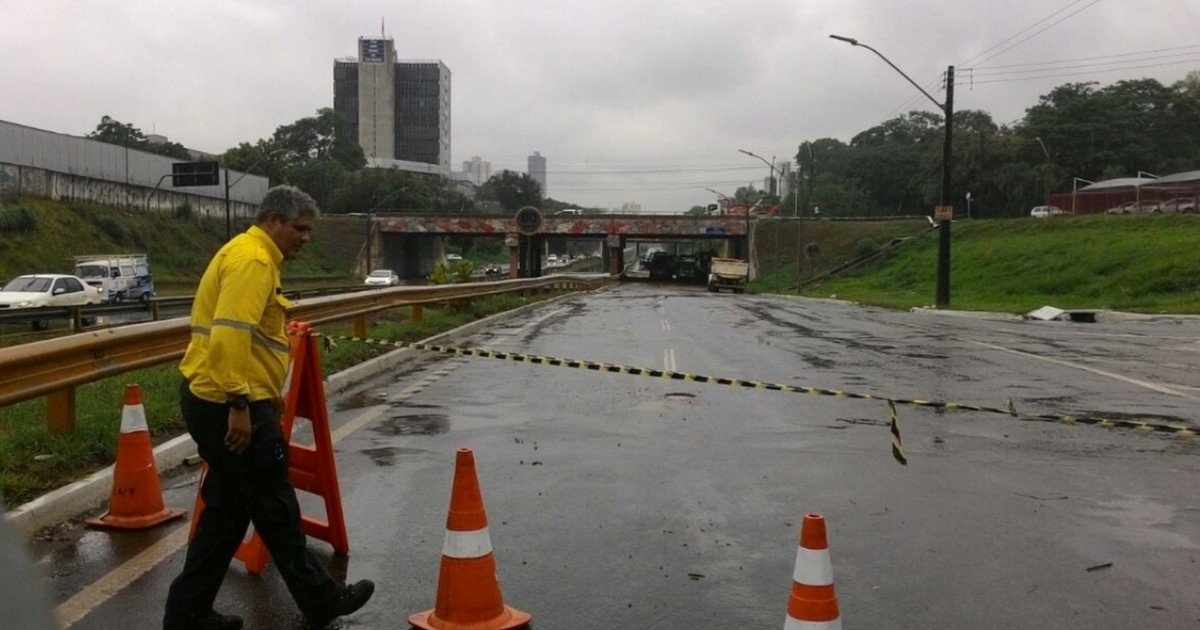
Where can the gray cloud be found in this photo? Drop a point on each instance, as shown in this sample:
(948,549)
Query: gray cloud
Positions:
(644,101)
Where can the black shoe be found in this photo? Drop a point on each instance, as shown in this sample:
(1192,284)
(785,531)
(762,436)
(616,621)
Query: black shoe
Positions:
(352,598)
(211,621)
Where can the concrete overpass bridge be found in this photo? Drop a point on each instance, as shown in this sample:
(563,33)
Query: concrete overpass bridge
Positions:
(411,243)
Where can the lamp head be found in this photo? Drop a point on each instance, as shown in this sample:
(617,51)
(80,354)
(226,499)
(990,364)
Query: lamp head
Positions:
(848,40)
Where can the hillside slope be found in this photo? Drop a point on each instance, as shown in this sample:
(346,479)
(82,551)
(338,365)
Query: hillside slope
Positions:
(41,236)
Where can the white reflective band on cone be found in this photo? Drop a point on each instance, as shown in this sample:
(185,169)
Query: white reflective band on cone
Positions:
(474,544)
(796,624)
(813,567)
(133,419)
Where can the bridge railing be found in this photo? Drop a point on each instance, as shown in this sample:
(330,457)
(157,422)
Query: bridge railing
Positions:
(54,368)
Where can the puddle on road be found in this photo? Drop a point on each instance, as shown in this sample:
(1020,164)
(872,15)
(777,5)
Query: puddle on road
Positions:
(358,400)
(416,424)
(1141,520)
(386,456)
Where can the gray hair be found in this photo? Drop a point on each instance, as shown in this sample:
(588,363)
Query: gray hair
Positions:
(289,202)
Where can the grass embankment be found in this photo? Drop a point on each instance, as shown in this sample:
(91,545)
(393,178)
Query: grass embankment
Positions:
(1145,264)
(33,461)
(178,244)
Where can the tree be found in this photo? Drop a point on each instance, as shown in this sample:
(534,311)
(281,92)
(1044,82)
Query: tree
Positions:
(113,131)
(260,156)
(513,190)
(323,137)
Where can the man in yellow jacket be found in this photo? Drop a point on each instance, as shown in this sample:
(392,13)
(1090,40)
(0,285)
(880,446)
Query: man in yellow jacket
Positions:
(230,398)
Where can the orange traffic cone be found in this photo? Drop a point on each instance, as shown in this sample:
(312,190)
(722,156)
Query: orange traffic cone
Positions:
(468,595)
(136,501)
(813,604)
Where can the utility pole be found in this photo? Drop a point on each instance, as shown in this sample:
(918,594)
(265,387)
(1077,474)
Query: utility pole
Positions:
(943,270)
(944,213)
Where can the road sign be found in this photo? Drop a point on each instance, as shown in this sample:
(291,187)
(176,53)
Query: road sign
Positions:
(529,220)
(714,229)
(943,213)
(184,174)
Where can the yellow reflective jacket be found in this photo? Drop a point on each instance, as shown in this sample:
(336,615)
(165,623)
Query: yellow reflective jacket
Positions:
(239,344)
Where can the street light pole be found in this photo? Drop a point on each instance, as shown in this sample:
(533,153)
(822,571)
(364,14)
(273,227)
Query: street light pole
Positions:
(943,266)
(770,165)
(228,185)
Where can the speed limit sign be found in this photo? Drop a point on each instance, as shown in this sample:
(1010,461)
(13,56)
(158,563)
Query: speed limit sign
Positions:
(529,220)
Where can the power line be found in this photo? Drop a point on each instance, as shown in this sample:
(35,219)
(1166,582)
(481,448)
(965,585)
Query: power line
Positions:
(1046,63)
(1026,30)
(1040,31)
(1076,74)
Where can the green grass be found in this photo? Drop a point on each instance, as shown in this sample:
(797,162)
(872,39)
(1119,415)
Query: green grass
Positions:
(1145,264)
(179,248)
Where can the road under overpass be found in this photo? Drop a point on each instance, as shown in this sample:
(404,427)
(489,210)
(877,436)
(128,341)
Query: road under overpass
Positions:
(412,243)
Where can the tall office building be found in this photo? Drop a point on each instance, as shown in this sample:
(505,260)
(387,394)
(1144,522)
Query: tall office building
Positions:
(536,168)
(398,110)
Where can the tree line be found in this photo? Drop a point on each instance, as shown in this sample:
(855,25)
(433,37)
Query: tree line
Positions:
(1078,130)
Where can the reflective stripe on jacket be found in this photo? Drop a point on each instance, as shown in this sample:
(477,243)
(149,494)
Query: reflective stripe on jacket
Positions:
(239,343)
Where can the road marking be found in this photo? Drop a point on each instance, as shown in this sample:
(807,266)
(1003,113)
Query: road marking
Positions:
(669,360)
(1133,381)
(666,324)
(103,589)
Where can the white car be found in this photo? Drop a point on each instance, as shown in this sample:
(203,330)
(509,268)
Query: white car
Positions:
(382,278)
(1178,204)
(49,290)
(453,257)
(1041,212)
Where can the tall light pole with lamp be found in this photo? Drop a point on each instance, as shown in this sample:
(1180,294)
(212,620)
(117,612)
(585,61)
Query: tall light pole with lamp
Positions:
(770,165)
(945,212)
(228,185)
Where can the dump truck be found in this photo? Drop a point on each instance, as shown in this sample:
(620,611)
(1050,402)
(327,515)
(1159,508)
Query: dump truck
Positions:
(728,273)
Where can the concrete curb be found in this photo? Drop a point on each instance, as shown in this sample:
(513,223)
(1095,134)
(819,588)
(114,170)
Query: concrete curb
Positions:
(93,491)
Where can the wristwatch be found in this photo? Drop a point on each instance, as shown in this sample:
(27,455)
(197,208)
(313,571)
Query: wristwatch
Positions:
(241,401)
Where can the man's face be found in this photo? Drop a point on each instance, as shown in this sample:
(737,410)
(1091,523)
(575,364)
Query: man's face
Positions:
(289,236)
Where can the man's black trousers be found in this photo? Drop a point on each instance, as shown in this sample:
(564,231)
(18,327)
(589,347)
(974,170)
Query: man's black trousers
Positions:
(238,490)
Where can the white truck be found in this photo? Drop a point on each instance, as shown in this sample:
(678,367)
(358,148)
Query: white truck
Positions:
(728,273)
(120,276)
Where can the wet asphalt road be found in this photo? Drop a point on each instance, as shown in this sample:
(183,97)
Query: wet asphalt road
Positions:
(621,501)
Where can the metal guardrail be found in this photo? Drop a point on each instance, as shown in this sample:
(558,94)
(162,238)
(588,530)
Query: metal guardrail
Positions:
(54,368)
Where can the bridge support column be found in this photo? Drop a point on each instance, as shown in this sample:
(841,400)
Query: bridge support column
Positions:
(614,254)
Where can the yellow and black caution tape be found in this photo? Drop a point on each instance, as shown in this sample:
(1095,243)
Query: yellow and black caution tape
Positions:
(897,448)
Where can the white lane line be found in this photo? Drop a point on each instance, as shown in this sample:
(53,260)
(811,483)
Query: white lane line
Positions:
(103,589)
(1133,381)
(669,360)
(666,324)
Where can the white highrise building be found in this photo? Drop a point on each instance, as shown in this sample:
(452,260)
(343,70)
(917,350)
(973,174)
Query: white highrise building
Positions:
(477,170)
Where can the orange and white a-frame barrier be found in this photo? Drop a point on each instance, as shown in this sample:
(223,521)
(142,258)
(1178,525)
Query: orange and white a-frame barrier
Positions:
(813,604)
(310,468)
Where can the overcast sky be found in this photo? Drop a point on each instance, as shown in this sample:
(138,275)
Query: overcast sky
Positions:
(644,101)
